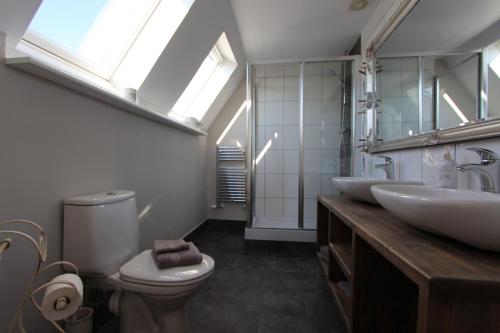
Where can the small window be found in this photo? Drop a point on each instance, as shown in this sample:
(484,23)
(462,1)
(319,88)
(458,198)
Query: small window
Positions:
(117,40)
(207,82)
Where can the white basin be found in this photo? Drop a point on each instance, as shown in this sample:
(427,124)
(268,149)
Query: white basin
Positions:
(471,217)
(359,188)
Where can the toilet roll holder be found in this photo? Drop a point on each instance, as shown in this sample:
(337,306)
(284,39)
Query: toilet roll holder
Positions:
(41,248)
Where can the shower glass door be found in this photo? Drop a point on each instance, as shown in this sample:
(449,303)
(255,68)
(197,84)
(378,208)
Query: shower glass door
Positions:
(293,124)
(277,120)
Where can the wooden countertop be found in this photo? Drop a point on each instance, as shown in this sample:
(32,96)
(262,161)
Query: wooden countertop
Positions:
(423,257)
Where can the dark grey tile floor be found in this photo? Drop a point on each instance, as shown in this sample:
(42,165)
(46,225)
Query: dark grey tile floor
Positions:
(261,288)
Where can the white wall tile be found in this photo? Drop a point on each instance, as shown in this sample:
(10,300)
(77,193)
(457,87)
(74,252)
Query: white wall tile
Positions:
(331,136)
(328,67)
(291,137)
(260,89)
(291,185)
(292,70)
(260,113)
(390,65)
(430,162)
(291,207)
(312,136)
(312,112)
(291,161)
(291,113)
(274,186)
(312,161)
(390,84)
(310,208)
(313,69)
(332,88)
(409,64)
(327,185)
(409,84)
(274,113)
(260,70)
(260,185)
(274,70)
(260,206)
(291,88)
(274,207)
(331,109)
(260,136)
(261,165)
(330,161)
(312,185)
(274,161)
(276,134)
(274,89)
(312,87)
(410,164)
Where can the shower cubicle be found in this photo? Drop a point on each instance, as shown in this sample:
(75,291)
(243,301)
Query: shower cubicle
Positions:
(300,124)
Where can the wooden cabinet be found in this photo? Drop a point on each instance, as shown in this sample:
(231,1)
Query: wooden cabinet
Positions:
(388,277)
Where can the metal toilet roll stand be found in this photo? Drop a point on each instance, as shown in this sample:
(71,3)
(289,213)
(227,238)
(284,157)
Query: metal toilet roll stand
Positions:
(41,248)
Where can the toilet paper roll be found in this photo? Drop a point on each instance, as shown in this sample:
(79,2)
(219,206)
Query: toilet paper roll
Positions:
(61,300)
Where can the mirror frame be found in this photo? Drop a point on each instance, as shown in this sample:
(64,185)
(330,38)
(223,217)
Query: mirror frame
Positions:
(475,130)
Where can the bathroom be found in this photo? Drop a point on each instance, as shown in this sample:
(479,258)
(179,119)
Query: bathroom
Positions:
(258,131)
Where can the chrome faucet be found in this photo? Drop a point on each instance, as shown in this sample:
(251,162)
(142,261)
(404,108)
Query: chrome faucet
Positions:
(484,169)
(387,166)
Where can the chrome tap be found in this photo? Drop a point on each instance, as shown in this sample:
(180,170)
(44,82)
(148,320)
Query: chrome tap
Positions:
(387,166)
(484,169)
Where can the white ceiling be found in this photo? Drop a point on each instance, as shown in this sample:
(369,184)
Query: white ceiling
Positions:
(274,30)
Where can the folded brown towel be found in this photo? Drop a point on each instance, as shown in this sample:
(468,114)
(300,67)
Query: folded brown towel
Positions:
(180,258)
(169,245)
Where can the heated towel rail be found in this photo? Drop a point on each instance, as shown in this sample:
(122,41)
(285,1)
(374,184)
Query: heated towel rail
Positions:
(231,175)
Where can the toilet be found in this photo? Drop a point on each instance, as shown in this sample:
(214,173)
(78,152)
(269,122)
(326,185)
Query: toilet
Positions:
(101,237)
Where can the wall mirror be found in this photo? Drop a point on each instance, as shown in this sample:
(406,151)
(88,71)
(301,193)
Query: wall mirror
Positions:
(438,81)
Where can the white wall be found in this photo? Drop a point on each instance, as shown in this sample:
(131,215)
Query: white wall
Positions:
(56,143)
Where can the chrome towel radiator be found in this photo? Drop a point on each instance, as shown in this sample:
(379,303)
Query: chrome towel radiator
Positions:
(231,175)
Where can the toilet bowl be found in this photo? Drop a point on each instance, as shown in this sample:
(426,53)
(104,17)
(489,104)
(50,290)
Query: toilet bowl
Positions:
(151,299)
(146,298)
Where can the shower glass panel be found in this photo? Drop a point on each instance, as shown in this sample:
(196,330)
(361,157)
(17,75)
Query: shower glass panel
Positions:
(323,126)
(326,131)
(277,117)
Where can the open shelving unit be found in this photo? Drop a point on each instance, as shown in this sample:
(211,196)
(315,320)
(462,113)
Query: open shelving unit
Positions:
(387,277)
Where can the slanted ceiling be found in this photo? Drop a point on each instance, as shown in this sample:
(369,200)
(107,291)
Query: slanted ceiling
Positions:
(274,30)
(187,49)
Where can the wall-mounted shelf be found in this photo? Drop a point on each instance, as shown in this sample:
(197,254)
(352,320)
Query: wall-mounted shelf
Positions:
(388,277)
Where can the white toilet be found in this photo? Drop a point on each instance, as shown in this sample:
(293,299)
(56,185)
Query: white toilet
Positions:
(101,237)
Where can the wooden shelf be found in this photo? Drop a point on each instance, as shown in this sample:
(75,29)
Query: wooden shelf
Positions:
(389,277)
(343,255)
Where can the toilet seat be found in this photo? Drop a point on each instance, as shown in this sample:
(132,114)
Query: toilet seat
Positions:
(142,269)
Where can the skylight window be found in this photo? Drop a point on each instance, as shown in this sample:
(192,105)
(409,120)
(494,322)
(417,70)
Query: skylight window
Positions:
(117,40)
(207,82)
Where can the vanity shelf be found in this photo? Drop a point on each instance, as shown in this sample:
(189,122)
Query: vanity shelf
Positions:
(388,277)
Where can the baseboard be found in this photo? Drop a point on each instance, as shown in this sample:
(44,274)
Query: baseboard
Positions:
(196,231)
(283,235)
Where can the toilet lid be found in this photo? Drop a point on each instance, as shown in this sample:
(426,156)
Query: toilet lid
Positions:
(142,268)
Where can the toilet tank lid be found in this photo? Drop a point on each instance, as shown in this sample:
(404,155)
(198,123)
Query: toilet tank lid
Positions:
(99,198)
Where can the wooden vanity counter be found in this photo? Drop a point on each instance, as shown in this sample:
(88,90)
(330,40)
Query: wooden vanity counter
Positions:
(389,277)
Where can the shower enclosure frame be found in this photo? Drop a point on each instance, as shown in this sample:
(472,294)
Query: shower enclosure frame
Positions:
(251,124)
